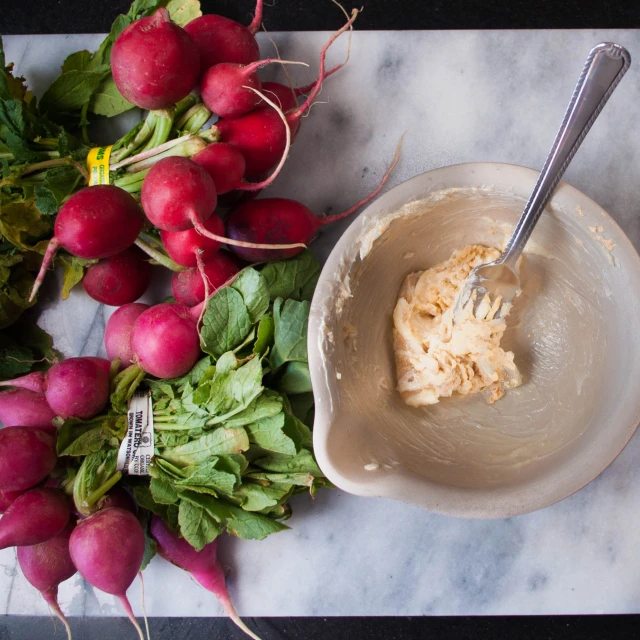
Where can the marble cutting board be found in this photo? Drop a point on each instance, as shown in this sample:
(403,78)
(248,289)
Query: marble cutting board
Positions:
(461,96)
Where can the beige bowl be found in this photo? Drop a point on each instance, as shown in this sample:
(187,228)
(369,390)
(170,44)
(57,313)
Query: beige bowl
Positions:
(573,332)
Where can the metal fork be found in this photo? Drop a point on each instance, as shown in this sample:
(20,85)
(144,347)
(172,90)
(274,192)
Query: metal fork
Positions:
(603,70)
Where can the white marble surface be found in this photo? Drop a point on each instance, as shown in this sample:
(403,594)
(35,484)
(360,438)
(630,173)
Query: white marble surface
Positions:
(462,96)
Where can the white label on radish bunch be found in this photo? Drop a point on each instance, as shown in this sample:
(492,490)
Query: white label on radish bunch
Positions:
(136,450)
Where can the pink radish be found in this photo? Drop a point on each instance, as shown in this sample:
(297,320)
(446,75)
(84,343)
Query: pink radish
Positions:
(77,388)
(261,134)
(165,340)
(178,194)
(229,89)
(154,62)
(220,39)
(183,246)
(117,334)
(202,565)
(279,221)
(24,408)
(225,164)
(107,548)
(96,222)
(118,279)
(27,456)
(34,517)
(188,286)
(36,381)
(46,565)
(103,363)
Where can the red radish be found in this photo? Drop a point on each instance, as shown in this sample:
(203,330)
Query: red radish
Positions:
(46,565)
(118,498)
(7,498)
(261,134)
(119,279)
(117,334)
(182,246)
(220,39)
(165,340)
(188,286)
(279,221)
(77,388)
(27,456)
(107,548)
(154,62)
(178,194)
(96,222)
(24,408)
(34,517)
(226,88)
(226,166)
(203,565)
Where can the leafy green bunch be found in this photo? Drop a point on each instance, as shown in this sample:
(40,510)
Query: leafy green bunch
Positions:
(233,437)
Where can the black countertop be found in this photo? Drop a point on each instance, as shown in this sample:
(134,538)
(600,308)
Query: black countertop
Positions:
(79,16)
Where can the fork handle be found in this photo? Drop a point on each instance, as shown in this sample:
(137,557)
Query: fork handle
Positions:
(603,70)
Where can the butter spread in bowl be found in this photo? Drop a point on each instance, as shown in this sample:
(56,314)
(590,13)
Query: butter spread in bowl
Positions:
(436,358)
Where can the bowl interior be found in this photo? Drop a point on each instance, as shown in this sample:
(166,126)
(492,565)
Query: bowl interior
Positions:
(571,331)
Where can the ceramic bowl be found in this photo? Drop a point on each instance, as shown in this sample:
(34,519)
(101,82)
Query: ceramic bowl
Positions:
(573,332)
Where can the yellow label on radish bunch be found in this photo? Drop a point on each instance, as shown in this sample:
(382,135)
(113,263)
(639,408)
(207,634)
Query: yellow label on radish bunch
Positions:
(98,165)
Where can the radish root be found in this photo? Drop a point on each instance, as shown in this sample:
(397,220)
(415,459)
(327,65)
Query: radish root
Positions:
(227,605)
(144,607)
(254,27)
(207,284)
(47,259)
(254,186)
(51,598)
(126,605)
(374,193)
(200,228)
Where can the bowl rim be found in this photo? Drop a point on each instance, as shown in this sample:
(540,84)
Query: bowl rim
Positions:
(502,508)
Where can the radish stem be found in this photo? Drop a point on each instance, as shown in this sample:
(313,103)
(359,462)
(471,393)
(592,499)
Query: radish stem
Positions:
(158,256)
(151,152)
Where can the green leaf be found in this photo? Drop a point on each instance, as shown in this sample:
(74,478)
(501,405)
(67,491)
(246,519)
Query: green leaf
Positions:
(269,434)
(291,323)
(206,476)
(250,526)
(302,407)
(226,322)
(82,437)
(15,359)
(102,55)
(295,379)
(142,494)
(295,278)
(264,339)
(71,90)
(14,295)
(264,406)
(106,100)
(257,498)
(23,226)
(301,463)
(298,479)
(254,291)
(59,184)
(73,272)
(184,11)
(218,442)
(150,544)
(95,477)
(78,61)
(38,341)
(228,393)
(162,491)
(196,525)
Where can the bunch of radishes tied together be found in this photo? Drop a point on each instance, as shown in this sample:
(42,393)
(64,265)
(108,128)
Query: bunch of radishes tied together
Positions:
(158,65)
